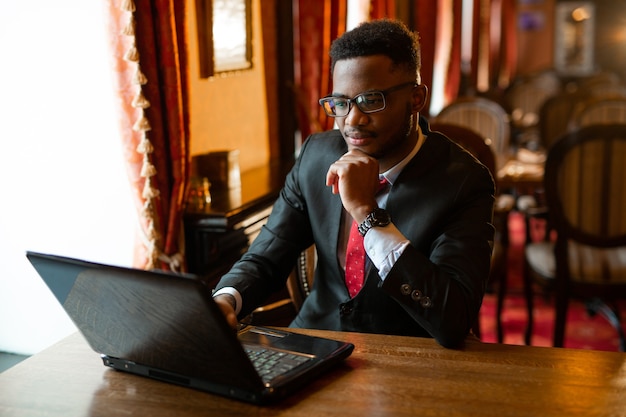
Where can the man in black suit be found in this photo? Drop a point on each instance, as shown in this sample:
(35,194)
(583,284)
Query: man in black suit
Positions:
(427,234)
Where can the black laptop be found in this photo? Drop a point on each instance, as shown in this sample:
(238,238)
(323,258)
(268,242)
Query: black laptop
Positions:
(166,326)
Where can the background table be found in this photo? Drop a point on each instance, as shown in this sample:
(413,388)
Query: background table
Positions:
(386,375)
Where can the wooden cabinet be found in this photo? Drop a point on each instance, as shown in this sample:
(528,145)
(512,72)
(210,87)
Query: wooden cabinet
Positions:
(218,234)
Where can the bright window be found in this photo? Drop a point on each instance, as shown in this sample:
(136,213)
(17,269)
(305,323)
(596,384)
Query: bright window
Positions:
(64,184)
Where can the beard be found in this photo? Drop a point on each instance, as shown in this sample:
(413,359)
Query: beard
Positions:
(405,131)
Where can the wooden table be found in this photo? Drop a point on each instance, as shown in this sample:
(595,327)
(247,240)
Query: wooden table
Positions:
(385,376)
(520,175)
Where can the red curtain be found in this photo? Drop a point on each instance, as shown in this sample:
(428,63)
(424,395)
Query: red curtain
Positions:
(495,41)
(476,31)
(493,45)
(316,25)
(382,8)
(509,42)
(425,22)
(453,77)
(148,43)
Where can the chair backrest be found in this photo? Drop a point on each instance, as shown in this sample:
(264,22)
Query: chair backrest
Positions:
(525,96)
(300,281)
(602,84)
(555,115)
(484,116)
(604,110)
(585,186)
(473,142)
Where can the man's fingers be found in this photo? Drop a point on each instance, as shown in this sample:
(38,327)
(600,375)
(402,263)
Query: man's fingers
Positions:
(227,310)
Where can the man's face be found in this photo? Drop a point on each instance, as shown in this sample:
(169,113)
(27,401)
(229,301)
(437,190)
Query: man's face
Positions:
(387,135)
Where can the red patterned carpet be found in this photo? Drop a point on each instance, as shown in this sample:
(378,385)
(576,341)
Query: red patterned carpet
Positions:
(582,331)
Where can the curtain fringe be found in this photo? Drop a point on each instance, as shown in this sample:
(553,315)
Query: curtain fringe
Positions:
(132,54)
(148,170)
(139,78)
(145,146)
(147,210)
(149,231)
(175,261)
(129,30)
(149,191)
(128,5)
(140,101)
(142,124)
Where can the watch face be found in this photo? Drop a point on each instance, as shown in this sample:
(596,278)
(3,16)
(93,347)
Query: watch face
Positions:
(378,218)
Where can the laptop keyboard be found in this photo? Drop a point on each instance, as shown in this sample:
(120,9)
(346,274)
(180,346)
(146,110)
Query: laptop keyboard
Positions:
(270,363)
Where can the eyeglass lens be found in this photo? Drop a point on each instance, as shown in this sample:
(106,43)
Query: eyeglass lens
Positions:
(366,102)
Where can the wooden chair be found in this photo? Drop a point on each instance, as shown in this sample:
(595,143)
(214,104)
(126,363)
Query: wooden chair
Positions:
(602,84)
(490,120)
(299,285)
(600,110)
(555,115)
(475,144)
(586,197)
(564,113)
(484,116)
(524,97)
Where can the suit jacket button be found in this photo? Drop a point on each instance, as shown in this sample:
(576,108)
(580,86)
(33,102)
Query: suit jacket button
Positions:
(345,309)
(416,295)
(405,289)
(426,302)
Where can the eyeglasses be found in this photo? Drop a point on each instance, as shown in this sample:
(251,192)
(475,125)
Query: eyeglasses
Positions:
(368,102)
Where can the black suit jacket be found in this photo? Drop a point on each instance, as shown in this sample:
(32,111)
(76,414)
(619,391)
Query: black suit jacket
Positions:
(442,202)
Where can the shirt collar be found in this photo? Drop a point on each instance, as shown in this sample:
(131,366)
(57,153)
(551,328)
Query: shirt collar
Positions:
(392,173)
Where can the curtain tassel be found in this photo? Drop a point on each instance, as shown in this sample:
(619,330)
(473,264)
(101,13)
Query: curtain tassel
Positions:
(128,5)
(147,211)
(129,30)
(142,125)
(149,191)
(175,261)
(145,146)
(140,101)
(139,78)
(132,54)
(148,170)
(151,232)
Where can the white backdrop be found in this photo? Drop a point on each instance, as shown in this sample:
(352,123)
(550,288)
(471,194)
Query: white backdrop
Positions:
(63,185)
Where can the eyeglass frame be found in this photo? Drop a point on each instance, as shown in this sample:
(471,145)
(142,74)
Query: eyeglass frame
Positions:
(354,99)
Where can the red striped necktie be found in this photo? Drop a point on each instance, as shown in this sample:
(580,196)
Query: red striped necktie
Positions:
(355,255)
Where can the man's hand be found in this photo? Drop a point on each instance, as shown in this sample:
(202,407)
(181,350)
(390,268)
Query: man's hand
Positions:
(226,303)
(354,177)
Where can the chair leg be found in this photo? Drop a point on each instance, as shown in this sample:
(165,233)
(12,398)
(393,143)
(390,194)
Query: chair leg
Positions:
(502,287)
(596,306)
(528,294)
(561,303)
(528,229)
(476,327)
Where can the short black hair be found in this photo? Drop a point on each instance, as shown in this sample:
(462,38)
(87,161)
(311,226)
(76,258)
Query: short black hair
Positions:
(387,37)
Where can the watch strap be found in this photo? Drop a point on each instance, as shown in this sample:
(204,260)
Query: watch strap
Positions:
(377,218)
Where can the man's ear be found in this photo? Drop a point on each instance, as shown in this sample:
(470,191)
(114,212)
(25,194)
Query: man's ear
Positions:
(420,94)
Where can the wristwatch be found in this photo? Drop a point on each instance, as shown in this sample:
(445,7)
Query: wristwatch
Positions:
(377,218)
